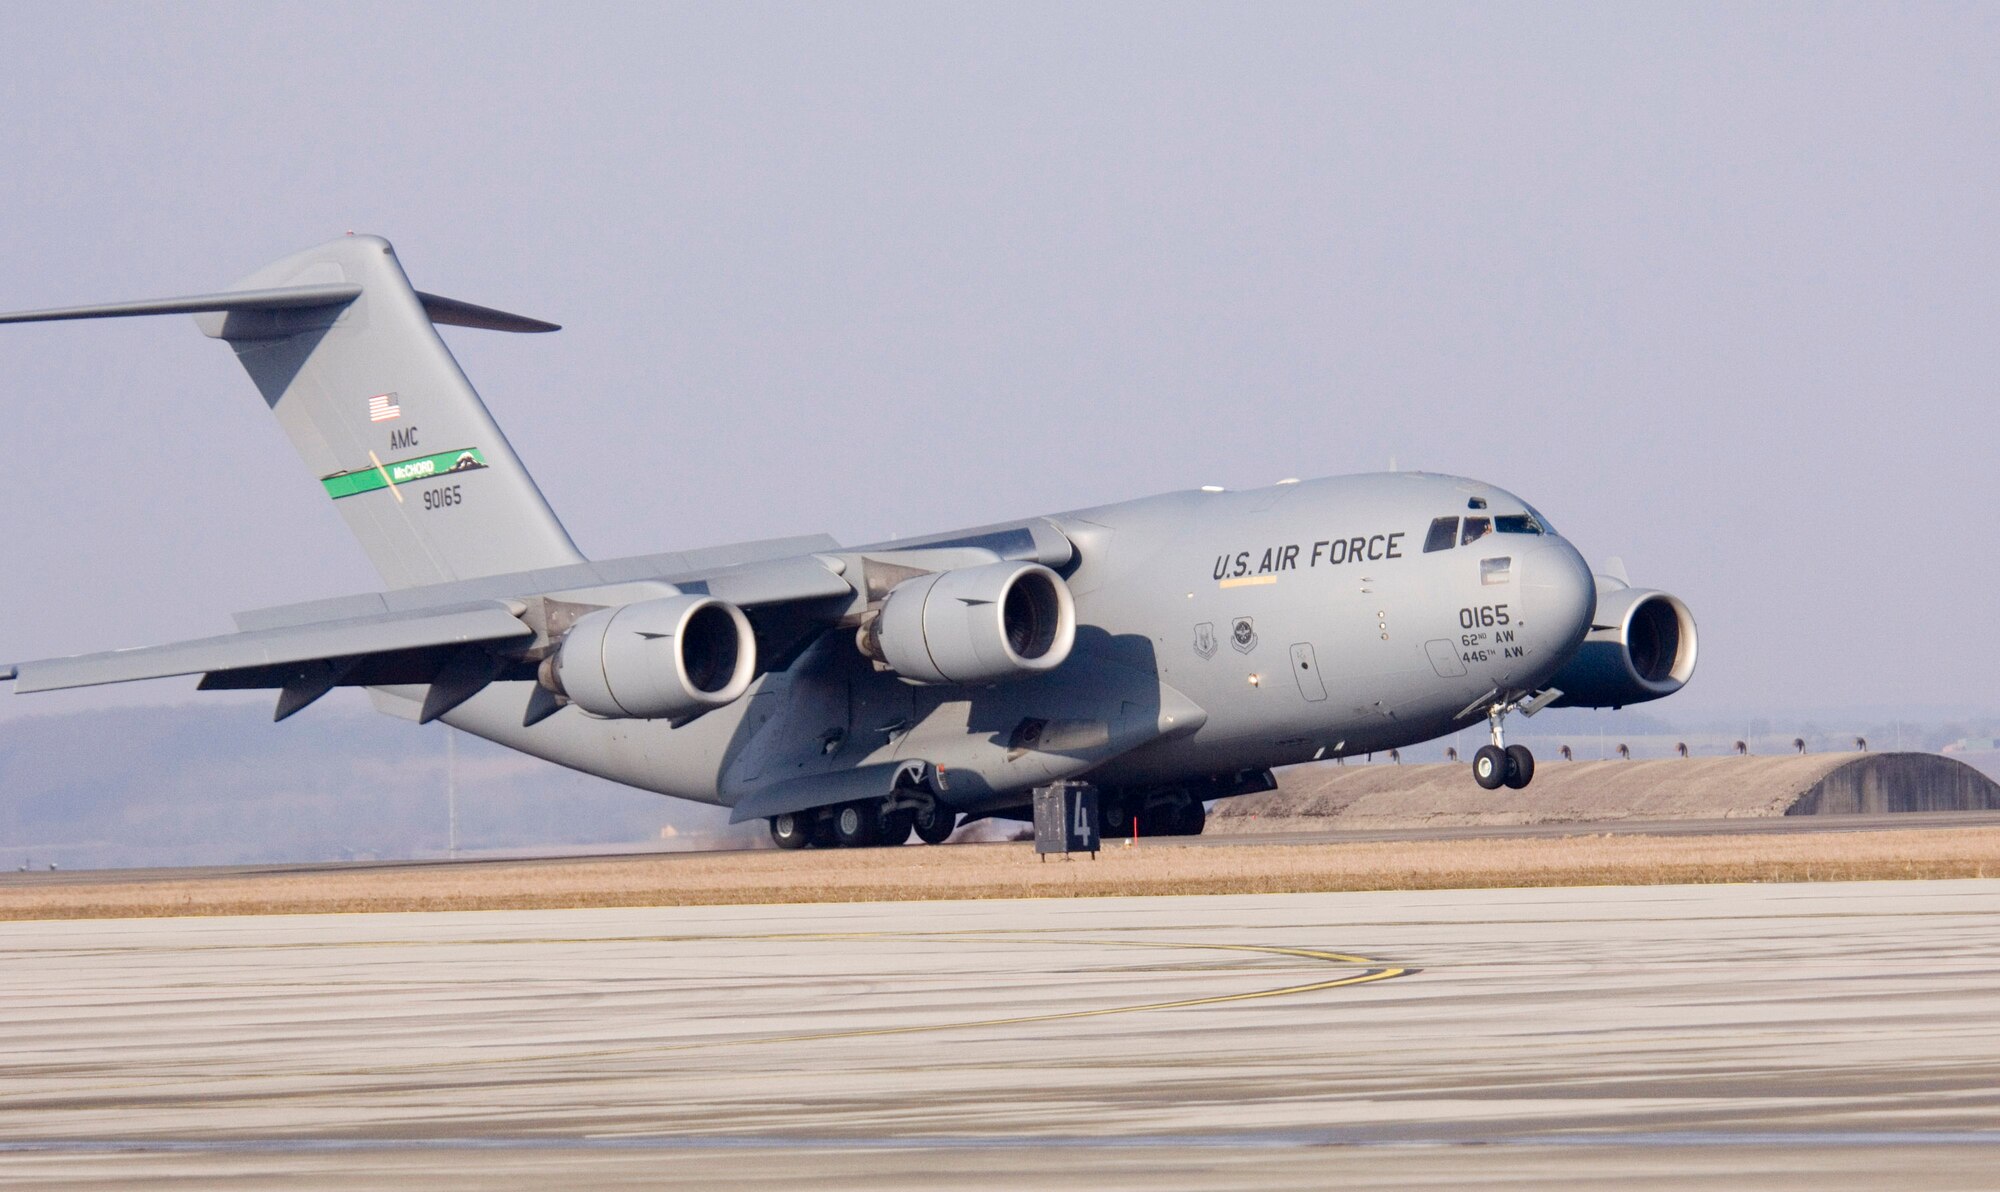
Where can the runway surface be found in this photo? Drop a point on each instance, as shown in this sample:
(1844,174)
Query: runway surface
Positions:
(1764,826)
(1825,1035)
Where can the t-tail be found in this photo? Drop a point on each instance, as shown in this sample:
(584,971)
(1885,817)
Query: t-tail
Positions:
(345,352)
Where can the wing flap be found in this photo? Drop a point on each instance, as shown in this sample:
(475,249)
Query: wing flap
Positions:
(780,581)
(356,637)
(776,571)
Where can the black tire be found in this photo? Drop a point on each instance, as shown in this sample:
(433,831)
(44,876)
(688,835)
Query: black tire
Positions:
(896,827)
(1188,819)
(792,830)
(1489,768)
(1114,816)
(938,825)
(1520,766)
(821,826)
(1157,819)
(856,825)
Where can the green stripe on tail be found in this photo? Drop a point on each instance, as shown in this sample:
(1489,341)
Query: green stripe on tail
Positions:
(402,471)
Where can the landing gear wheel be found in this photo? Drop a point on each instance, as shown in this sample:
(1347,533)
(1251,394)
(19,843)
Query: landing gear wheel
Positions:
(1189,819)
(1114,816)
(1520,766)
(1161,816)
(791,830)
(896,827)
(1489,767)
(936,826)
(856,825)
(821,828)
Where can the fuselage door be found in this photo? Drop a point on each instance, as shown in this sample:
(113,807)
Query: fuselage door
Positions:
(1444,658)
(1306,669)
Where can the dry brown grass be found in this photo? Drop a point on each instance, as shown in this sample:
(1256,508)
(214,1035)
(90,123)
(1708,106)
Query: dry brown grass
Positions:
(1013,871)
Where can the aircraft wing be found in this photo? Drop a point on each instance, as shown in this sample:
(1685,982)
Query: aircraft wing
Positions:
(353,637)
(459,636)
(456,638)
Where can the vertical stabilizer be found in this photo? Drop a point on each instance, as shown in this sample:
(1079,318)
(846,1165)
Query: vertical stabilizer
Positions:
(379,410)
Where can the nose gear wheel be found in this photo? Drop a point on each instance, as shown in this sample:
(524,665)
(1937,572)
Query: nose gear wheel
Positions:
(1501,764)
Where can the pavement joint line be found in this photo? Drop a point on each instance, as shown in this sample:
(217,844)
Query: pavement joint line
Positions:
(1970,916)
(997,934)
(1261,1140)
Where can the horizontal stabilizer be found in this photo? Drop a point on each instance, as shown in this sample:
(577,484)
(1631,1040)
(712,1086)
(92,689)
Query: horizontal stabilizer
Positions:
(282,298)
(274,647)
(446,311)
(450,312)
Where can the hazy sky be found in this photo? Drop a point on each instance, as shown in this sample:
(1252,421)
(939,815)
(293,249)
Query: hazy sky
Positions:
(1717,288)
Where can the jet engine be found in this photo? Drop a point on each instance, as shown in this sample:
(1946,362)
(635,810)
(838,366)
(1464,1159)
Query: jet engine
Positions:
(667,659)
(974,625)
(1640,647)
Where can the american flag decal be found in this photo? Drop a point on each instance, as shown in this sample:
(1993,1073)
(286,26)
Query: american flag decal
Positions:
(384,406)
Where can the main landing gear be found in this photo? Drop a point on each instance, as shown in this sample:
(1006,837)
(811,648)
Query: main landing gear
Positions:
(1501,764)
(865,823)
(1171,811)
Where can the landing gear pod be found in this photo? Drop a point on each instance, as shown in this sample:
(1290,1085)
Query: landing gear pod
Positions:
(975,625)
(667,659)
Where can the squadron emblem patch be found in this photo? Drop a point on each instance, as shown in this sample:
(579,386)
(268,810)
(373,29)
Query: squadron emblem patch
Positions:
(1204,639)
(1243,635)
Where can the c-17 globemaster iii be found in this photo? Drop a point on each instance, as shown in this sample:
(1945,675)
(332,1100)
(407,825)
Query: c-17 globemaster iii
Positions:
(1170,650)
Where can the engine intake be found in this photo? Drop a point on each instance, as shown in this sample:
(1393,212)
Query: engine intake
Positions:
(672,659)
(1641,646)
(981,624)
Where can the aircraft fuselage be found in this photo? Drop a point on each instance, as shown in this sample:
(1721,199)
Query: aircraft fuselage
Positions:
(1252,629)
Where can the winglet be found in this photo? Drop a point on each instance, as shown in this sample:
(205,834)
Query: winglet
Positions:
(8,671)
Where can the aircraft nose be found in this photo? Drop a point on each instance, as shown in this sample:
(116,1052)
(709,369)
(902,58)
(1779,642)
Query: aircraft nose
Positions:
(1560,594)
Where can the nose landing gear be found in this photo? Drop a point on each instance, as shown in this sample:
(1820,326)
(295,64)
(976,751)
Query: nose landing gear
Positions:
(1501,764)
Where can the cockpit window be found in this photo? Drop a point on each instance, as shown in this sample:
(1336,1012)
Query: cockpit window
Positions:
(1475,529)
(1476,503)
(1443,535)
(1516,523)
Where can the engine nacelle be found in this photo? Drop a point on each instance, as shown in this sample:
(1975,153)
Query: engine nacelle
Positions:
(1641,646)
(974,625)
(667,659)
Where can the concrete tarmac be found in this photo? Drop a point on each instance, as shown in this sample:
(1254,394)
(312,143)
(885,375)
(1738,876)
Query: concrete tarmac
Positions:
(1824,1036)
(1793,825)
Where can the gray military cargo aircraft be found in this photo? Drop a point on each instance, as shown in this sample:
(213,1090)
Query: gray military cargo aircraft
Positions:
(1169,650)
